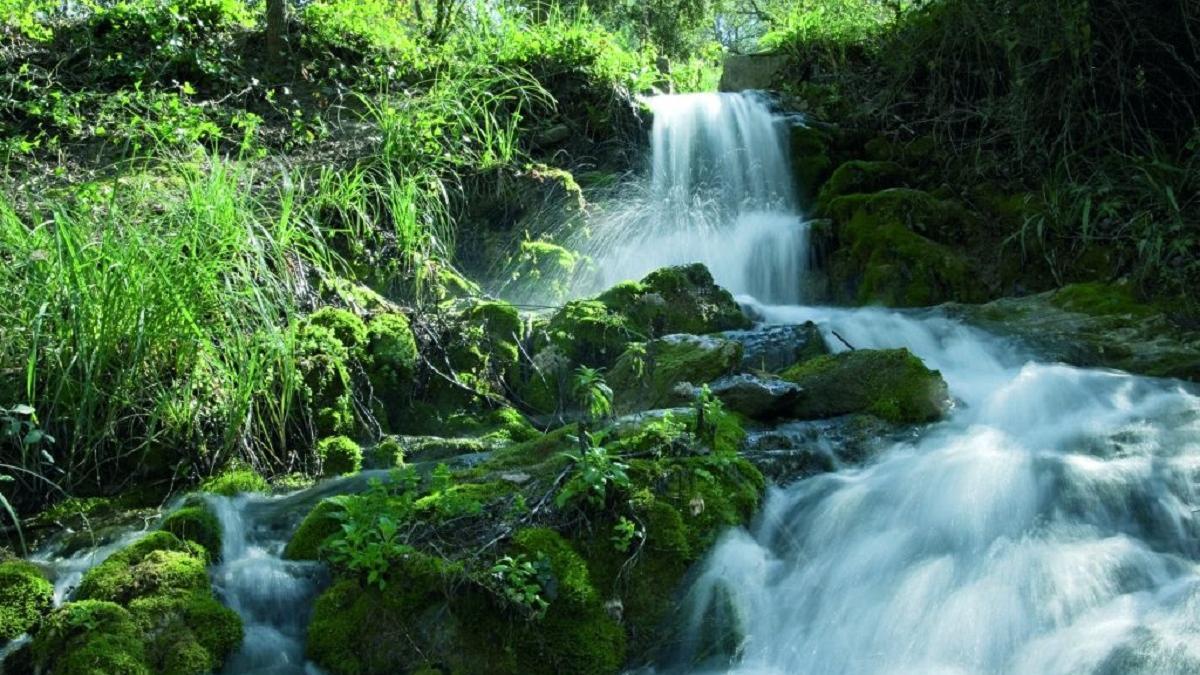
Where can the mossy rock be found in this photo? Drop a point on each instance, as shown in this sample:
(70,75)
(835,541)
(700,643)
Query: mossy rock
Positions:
(681,522)
(320,524)
(323,362)
(192,632)
(339,456)
(1095,325)
(671,300)
(90,637)
(234,481)
(159,562)
(589,333)
(860,176)
(941,220)
(682,299)
(502,331)
(881,260)
(543,271)
(360,630)
(810,158)
(891,384)
(195,523)
(393,353)
(345,325)
(545,381)
(648,376)
(25,598)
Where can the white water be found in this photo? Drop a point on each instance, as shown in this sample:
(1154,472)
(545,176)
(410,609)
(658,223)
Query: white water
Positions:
(1046,527)
(719,192)
(272,596)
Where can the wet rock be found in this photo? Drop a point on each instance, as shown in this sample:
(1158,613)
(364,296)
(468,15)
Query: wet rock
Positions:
(798,450)
(774,348)
(891,384)
(859,176)
(1094,325)
(752,71)
(761,398)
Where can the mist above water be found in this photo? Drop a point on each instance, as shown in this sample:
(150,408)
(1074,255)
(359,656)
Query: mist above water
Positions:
(719,192)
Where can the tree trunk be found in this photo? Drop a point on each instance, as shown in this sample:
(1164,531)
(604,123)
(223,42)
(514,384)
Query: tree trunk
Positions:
(276,29)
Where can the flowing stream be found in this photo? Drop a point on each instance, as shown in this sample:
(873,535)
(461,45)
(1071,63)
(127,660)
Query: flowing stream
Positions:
(1048,526)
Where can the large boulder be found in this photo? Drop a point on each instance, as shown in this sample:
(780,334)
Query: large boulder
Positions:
(884,253)
(1094,324)
(891,384)
(664,372)
(147,608)
(597,331)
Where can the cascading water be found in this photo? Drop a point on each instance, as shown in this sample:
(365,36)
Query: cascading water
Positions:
(273,596)
(720,192)
(1047,527)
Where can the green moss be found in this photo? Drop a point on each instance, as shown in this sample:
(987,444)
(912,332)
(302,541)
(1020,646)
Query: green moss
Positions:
(695,499)
(544,271)
(198,524)
(587,333)
(881,259)
(393,351)
(339,455)
(891,384)
(323,362)
(360,630)
(156,562)
(810,159)
(192,633)
(463,499)
(502,331)
(388,453)
(345,326)
(575,636)
(27,595)
(682,299)
(860,176)
(90,637)
(646,376)
(317,526)
(235,481)
(1101,299)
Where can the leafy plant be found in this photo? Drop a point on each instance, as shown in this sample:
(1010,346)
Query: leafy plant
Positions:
(596,476)
(522,582)
(625,532)
(593,393)
(371,537)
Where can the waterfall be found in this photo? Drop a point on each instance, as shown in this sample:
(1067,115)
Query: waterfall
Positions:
(272,596)
(719,192)
(1049,525)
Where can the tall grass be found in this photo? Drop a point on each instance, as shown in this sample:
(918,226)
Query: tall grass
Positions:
(147,323)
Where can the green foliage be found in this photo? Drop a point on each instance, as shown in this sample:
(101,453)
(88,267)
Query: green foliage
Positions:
(317,526)
(593,393)
(371,538)
(596,478)
(522,583)
(91,636)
